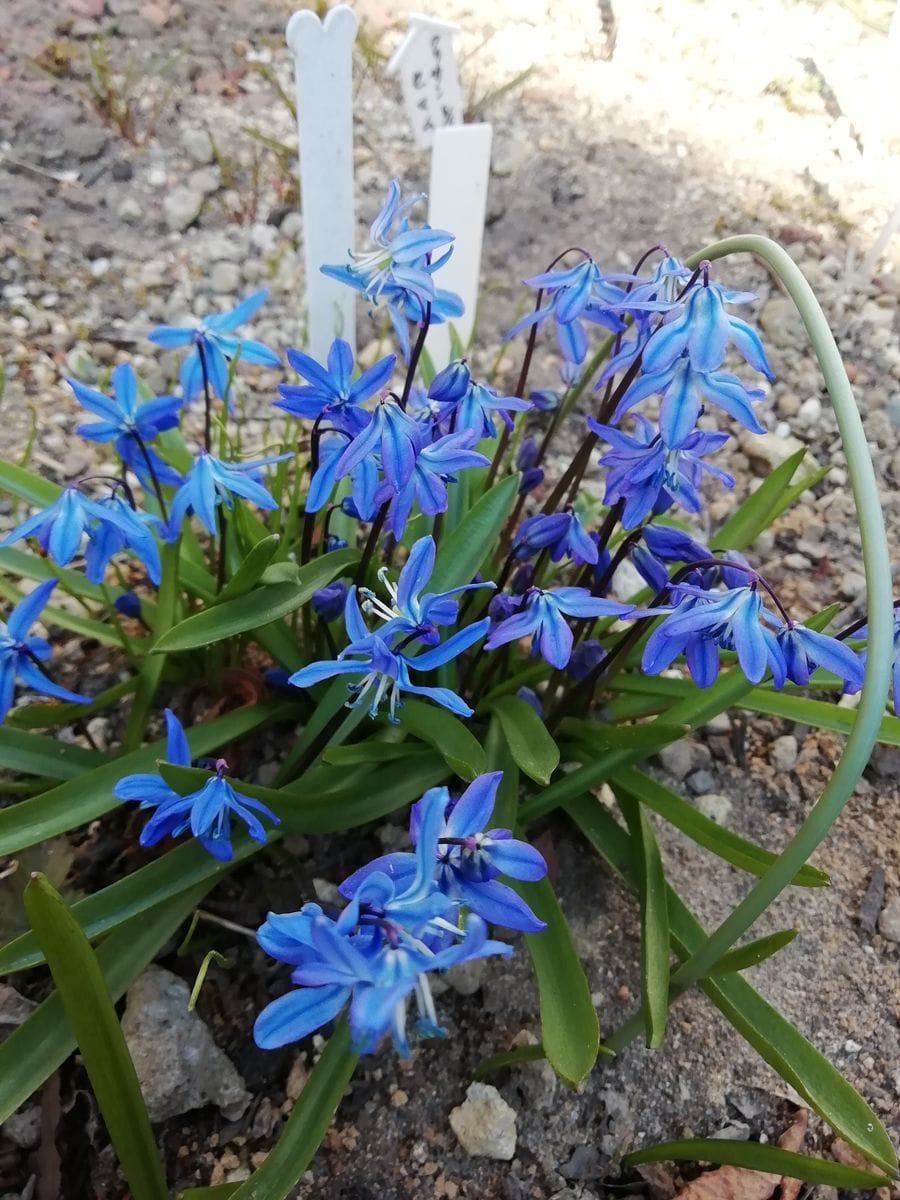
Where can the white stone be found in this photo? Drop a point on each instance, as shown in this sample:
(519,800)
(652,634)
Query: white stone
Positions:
(714,806)
(198,146)
(181,208)
(784,752)
(889,921)
(179,1066)
(484,1124)
(225,277)
(130,211)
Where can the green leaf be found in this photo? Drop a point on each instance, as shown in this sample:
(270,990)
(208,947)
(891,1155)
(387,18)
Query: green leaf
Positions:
(654,922)
(89,1008)
(447,734)
(754,1156)
(499,758)
(463,551)
(570,1031)
(250,571)
(649,738)
(31,488)
(34,754)
(153,666)
(753,953)
(819,713)
(760,509)
(704,831)
(508,1058)
(530,744)
(45,1040)
(255,609)
(61,617)
(307,1124)
(80,800)
(777,1041)
(49,716)
(369,752)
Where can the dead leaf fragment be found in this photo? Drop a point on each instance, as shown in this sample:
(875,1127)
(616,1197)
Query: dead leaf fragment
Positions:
(738,1183)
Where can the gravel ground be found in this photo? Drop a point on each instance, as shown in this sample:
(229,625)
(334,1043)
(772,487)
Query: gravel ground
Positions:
(680,123)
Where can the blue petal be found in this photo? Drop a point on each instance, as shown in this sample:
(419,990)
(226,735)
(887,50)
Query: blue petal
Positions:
(473,809)
(298,1014)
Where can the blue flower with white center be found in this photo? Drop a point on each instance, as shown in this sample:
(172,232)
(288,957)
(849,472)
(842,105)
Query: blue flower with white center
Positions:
(410,613)
(475,410)
(211,482)
(131,425)
(704,621)
(386,672)
(805,650)
(363,479)
(391,434)
(207,812)
(562,533)
(20,652)
(59,528)
(436,464)
(467,862)
(543,620)
(332,392)
(650,476)
(122,528)
(577,294)
(214,345)
(665,288)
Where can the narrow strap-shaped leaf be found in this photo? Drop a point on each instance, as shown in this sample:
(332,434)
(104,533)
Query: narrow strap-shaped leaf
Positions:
(754,1156)
(776,1041)
(34,754)
(307,1124)
(759,510)
(255,609)
(28,486)
(654,922)
(51,716)
(152,669)
(815,712)
(528,738)
(464,550)
(77,801)
(75,622)
(702,829)
(508,1058)
(447,734)
(370,752)
(89,1007)
(602,735)
(570,1031)
(753,953)
(44,1040)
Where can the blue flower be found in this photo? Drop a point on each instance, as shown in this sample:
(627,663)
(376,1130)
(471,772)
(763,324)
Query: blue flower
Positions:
(21,653)
(410,614)
(562,533)
(665,544)
(804,650)
(211,482)
(391,434)
(543,619)
(436,464)
(213,338)
(386,672)
(864,633)
(328,602)
(207,812)
(379,951)
(577,294)
(650,475)
(332,392)
(128,604)
(703,621)
(467,862)
(129,424)
(121,528)
(451,383)
(60,526)
(363,479)
(474,408)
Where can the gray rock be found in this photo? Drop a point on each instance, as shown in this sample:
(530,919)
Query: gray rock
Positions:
(714,806)
(467,977)
(206,180)
(678,759)
(179,1066)
(701,781)
(721,723)
(130,211)
(225,277)
(889,921)
(484,1124)
(781,323)
(198,146)
(181,208)
(122,170)
(783,754)
(852,585)
(85,141)
(292,225)
(13,1007)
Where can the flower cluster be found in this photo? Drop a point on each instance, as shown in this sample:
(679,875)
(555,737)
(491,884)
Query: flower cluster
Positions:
(407,916)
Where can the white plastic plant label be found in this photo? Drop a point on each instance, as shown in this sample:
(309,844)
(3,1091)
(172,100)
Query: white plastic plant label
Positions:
(426,64)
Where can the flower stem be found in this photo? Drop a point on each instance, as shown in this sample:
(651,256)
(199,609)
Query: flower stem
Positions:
(371,542)
(414,358)
(154,479)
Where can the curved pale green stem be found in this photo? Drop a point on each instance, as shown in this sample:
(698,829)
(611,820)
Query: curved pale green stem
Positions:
(879,608)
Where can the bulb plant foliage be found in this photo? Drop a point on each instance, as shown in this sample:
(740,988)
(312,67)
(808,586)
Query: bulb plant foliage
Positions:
(421,588)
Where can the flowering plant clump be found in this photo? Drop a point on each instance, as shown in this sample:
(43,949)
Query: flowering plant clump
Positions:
(435,614)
